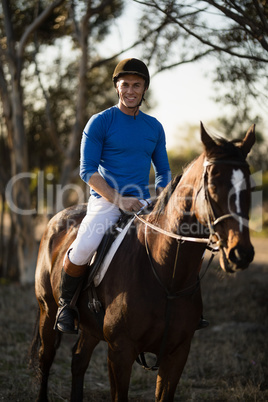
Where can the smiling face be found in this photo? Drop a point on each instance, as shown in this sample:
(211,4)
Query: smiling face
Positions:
(130,89)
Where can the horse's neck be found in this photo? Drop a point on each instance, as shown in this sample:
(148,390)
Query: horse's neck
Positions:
(182,208)
(177,263)
(177,216)
(181,204)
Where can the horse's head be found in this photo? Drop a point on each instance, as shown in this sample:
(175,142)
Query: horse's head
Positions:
(227,192)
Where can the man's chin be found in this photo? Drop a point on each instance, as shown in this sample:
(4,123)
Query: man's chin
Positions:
(131,106)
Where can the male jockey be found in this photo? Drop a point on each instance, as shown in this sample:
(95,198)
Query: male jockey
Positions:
(117,148)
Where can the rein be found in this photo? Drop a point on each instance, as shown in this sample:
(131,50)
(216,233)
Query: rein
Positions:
(174,235)
(170,295)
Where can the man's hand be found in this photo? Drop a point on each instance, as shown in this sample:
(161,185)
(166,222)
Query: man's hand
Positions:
(130,204)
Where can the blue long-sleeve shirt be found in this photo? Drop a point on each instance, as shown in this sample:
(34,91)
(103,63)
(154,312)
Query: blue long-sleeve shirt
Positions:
(122,149)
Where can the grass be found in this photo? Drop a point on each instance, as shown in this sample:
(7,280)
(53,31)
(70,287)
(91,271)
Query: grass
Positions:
(227,362)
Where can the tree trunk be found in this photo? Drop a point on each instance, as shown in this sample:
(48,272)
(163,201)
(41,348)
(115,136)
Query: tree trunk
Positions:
(17,189)
(80,118)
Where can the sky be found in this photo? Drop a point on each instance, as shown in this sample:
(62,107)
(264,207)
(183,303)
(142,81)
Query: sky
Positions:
(184,97)
(181,96)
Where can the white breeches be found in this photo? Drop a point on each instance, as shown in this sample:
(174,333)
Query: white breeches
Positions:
(101,214)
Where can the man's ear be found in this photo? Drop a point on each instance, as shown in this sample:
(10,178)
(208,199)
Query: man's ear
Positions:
(116,89)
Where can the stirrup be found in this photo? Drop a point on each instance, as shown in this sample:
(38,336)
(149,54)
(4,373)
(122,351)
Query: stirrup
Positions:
(72,310)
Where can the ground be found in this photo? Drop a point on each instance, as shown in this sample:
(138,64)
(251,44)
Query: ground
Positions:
(228,361)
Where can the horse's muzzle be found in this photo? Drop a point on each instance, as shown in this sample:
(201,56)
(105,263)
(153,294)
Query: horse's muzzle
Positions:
(238,258)
(241,257)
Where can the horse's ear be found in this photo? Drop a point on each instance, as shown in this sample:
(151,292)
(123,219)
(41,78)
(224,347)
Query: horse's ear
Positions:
(206,139)
(249,140)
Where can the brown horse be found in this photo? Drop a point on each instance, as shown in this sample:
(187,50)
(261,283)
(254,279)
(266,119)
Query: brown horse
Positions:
(151,295)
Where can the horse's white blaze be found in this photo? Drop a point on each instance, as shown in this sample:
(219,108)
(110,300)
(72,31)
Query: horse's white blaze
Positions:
(238,180)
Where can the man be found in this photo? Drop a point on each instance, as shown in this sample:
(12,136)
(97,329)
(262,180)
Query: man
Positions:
(117,149)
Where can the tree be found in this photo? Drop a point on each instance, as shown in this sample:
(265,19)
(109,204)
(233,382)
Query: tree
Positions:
(233,31)
(13,44)
(27,27)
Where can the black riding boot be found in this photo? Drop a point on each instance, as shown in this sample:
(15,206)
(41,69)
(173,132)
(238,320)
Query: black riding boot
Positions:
(65,319)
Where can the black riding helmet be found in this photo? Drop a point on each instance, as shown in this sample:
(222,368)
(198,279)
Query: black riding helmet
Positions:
(132,66)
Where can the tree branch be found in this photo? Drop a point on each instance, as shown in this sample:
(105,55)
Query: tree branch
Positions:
(206,42)
(101,7)
(35,24)
(259,9)
(243,21)
(134,44)
(192,59)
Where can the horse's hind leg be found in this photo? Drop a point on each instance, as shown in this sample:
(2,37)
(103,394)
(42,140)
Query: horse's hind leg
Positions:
(49,340)
(82,353)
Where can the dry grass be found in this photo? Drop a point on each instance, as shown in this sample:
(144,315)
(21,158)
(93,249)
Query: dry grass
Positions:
(228,361)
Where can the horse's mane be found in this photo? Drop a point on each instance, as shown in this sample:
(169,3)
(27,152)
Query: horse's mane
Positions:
(165,196)
(225,149)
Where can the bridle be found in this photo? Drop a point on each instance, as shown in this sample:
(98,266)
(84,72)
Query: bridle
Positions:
(212,220)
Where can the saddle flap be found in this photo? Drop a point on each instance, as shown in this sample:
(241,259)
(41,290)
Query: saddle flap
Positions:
(107,249)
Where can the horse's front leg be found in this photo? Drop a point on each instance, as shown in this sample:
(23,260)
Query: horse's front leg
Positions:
(170,371)
(120,365)
(82,353)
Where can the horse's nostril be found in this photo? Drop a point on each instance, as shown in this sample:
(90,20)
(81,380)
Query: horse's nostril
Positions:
(241,257)
(237,255)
